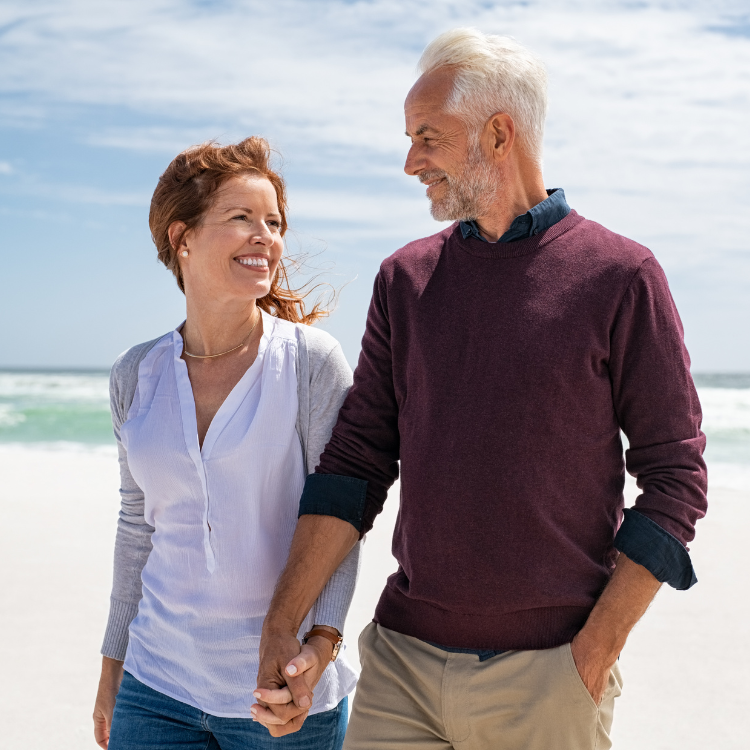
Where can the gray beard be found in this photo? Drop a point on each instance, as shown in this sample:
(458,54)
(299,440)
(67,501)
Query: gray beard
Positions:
(469,194)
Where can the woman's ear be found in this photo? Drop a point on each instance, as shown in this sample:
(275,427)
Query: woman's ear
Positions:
(177,232)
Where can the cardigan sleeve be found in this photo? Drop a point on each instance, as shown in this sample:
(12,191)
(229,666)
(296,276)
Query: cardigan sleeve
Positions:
(330,380)
(133,538)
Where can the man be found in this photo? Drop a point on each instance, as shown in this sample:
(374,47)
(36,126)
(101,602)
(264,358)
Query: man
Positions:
(500,361)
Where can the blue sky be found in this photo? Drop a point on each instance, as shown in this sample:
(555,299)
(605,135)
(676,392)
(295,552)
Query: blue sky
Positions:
(648,132)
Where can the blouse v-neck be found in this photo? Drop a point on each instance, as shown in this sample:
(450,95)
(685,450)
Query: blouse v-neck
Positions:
(228,407)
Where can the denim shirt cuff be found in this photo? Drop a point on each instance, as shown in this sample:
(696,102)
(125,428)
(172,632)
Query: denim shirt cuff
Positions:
(334,495)
(649,545)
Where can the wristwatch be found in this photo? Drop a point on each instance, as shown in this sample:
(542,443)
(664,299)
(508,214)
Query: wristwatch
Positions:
(336,640)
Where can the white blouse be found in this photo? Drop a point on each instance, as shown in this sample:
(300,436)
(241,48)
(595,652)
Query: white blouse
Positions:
(223,517)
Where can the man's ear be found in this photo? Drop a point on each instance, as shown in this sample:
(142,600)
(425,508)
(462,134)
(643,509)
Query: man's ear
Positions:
(500,134)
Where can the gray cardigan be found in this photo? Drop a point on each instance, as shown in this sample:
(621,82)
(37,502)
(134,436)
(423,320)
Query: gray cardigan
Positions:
(323,380)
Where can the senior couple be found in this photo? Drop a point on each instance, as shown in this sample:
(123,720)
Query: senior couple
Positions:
(501,360)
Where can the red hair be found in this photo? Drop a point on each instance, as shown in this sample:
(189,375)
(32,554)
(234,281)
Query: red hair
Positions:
(185,192)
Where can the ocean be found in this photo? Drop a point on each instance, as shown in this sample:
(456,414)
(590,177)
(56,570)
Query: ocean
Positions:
(70,410)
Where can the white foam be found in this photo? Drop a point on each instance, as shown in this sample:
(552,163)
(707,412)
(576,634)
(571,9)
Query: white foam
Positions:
(725,410)
(89,388)
(9,417)
(60,446)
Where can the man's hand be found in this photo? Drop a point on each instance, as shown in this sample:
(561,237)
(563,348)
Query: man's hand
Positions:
(623,602)
(109,684)
(282,708)
(592,664)
(319,545)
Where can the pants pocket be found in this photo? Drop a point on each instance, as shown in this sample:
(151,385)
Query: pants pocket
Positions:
(365,638)
(575,676)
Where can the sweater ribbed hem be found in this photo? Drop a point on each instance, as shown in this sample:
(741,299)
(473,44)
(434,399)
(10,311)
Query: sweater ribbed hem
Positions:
(121,614)
(530,629)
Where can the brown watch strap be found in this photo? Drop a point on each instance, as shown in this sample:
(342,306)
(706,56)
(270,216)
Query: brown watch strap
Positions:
(334,639)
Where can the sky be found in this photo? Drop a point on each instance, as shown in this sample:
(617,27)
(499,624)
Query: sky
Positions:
(648,132)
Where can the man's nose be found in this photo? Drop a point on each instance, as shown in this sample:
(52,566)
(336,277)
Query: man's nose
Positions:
(414,162)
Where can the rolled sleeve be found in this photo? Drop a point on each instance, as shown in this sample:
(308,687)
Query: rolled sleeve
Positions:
(658,410)
(649,545)
(334,495)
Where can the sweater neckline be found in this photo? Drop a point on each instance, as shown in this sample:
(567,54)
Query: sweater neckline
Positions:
(516,248)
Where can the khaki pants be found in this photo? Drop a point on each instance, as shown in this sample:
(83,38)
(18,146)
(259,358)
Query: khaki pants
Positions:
(413,696)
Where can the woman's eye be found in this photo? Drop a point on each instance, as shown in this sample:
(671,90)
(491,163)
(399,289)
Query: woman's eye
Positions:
(274,223)
(241,216)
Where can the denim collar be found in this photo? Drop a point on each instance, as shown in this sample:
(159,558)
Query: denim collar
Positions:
(535,220)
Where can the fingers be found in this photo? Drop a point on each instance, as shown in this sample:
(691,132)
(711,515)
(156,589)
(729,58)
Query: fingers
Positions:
(101,732)
(282,713)
(283,708)
(267,717)
(307,659)
(294,725)
(301,693)
(278,696)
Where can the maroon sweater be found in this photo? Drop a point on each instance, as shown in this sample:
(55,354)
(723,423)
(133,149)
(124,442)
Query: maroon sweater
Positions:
(500,376)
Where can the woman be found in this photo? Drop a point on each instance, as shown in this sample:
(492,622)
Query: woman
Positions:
(217,425)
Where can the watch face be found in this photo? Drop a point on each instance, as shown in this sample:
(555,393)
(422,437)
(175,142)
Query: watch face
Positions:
(336,649)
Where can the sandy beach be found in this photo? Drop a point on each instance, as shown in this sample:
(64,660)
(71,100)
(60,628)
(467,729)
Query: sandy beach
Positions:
(685,666)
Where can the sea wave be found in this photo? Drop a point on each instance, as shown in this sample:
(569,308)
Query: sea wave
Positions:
(66,387)
(10,416)
(59,410)
(726,410)
(61,446)
(50,407)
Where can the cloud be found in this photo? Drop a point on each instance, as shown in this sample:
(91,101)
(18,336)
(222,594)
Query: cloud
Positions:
(649,102)
(6,168)
(159,139)
(75,193)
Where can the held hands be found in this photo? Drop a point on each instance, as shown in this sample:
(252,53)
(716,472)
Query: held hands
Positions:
(287,676)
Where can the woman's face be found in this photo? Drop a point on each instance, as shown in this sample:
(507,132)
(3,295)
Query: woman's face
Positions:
(234,252)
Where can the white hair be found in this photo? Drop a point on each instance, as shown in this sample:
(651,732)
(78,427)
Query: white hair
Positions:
(493,74)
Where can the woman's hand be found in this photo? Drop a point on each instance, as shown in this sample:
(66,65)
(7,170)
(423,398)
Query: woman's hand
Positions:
(275,708)
(109,684)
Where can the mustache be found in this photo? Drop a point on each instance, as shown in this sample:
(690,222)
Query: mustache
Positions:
(432,174)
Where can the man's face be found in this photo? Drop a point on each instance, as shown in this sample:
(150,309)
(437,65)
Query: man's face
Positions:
(461,182)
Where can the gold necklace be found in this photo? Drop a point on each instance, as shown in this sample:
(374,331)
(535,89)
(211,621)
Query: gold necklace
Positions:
(233,349)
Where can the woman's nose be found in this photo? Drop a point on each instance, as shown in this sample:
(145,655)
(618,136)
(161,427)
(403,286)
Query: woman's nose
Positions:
(262,233)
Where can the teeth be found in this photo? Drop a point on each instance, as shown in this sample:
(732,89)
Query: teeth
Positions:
(260,262)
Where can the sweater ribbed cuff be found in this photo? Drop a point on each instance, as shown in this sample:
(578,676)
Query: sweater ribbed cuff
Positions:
(331,607)
(121,614)
(333,603)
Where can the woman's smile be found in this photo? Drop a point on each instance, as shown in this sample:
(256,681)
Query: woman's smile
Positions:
(257,263)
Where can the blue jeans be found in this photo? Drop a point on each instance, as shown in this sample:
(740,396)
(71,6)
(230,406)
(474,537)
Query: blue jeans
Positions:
(145,719)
